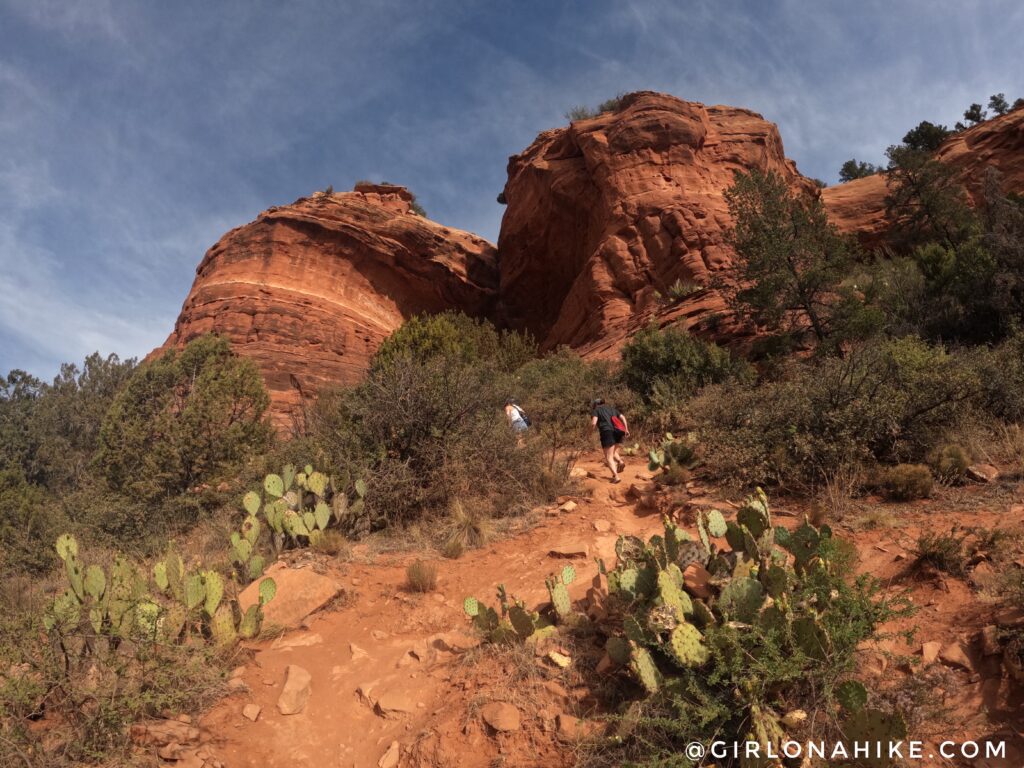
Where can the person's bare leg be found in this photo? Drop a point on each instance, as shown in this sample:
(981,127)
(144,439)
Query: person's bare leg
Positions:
(620,464)
(609,459)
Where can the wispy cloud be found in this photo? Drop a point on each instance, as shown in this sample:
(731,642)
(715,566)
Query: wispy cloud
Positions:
(134,134)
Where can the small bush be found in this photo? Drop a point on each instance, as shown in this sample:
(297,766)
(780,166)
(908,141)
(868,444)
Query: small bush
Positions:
(421,577)
(188,418)
(905,482)
(950,462)
(679,361)
(888,401)
(944,551)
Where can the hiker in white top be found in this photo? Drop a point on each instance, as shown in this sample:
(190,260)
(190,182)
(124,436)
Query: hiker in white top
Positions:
(517,417)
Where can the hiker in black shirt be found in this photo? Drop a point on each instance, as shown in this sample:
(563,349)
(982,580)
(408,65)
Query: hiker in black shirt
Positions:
(612,428)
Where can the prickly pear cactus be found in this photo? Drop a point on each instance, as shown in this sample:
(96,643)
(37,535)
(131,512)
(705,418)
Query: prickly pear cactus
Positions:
(741,599)
(222,626)
(213,586)
(811,638)
(876,729)
(686,646)
(643,666)
(522,621)
(852,695)
(268,589)
(560,598)
(715,522)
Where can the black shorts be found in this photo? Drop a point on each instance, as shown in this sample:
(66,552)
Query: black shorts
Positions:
(611,437)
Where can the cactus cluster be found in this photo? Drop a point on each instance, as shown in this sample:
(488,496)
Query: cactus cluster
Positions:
(665,626)
(121,603)
(863,725)
(116,603)
(673,452)
(511,621)
(558,590)
(196,604)
(298,506)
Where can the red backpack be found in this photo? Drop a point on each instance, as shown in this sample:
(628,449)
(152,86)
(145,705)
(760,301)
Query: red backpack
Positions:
(618,423)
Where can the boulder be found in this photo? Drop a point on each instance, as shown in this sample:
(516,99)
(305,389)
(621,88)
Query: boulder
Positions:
(308,291)
(296,690)
(954,655)
(300,592)
(983,473)
(569,549)
(697,581)
(930,652)
(390,758)
(501,716)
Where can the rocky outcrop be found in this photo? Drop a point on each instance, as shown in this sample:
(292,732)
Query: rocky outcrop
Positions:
(309,290)
(608,213)
(859,206)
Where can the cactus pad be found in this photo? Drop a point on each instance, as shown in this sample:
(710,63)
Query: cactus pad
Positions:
(811,638)
(715,523)
(686,646)
(322,515)
(629,549)
(317,483)
(852,695)
(214,585)
(95,582)
(195,591)
(702,616)
(173,622)
(643,666)
(361,488)
(222,626)
(251,529)
(249,627)
(775,580)
(251,502)
(876,729)
(471,606)
(672,596)
(274,486)
(560,599)
(66,545)
(75,574)
(568,575)
(521,620)
(255,567)
(688,553)
(741,599)
(268,589)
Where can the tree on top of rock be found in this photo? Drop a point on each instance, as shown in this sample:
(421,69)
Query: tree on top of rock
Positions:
(926,136)
(856,169)
(997,103)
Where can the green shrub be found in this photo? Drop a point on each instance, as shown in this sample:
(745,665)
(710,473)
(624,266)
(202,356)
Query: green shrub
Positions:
(186,419)
(950,462)
(887,401)
(678,362)
(944,551)
(458,339)
(905,482)
(29,520)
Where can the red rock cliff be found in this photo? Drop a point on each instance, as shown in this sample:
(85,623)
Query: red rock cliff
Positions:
(609,211)
(309,290)
(859,206)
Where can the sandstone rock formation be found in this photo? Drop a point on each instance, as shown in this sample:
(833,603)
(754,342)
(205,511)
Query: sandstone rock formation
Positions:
(605,214)
(859,206)
(309,290)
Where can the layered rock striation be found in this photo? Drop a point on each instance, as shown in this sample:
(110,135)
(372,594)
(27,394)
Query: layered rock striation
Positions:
(309,290)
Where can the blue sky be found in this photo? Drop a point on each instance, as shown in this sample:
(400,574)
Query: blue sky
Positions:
(134,133)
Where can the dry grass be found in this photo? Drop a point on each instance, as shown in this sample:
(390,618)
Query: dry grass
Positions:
(333,544)
(468,527)
(837,493)
(874,518)
(421,577)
